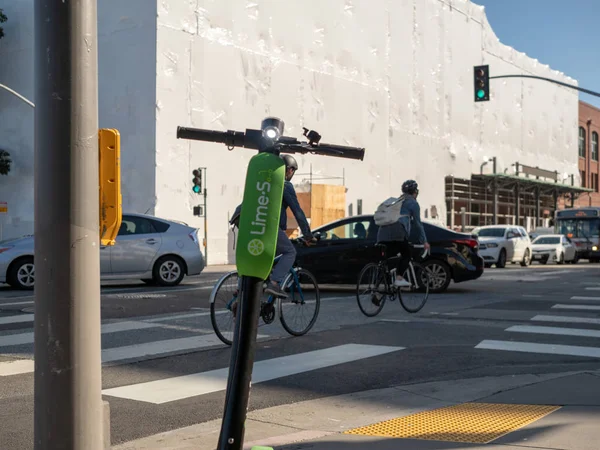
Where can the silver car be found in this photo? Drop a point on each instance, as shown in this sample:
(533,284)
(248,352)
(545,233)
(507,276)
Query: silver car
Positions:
(154,250)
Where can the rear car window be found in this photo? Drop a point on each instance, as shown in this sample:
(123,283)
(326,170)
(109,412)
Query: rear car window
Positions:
(159,226)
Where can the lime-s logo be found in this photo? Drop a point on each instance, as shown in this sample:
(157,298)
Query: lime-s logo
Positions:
(260,218)
(256,247)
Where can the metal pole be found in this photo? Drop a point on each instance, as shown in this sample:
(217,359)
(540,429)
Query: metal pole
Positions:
(241,364)
(68,410)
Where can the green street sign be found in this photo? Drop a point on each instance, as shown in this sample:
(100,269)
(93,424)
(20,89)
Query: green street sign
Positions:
(259,218)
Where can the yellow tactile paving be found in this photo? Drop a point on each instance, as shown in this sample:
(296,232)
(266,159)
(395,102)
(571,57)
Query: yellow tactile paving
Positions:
(478,423)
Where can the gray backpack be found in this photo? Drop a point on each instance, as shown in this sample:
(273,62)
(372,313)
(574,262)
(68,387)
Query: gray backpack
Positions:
(388,212)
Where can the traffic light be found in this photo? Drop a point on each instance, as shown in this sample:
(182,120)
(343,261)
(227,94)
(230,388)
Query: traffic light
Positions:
(109,168)
(481,75)
(197,181)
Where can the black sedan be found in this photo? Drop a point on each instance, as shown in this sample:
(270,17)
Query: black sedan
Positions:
(345,246)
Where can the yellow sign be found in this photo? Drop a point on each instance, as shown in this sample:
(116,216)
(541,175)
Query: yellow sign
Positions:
(109,154)
(3,207)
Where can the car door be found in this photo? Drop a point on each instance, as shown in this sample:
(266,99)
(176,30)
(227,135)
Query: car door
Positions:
(569,249)
(343,249)
(105,268)
(515,244)
(525,241)
(136,246)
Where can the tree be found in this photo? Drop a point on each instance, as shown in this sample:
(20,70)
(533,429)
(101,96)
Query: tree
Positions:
(5,162)
(3,19)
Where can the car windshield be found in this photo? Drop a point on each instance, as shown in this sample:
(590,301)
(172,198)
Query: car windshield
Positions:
(489,232)
(579,228)
(547,240)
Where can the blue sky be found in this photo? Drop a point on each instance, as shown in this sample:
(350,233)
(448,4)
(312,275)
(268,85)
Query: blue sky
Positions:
(563,34)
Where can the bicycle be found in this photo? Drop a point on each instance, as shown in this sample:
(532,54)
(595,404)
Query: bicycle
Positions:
(380,280)
(292,286)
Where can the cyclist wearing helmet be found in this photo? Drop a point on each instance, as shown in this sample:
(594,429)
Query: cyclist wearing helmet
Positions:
(284,246)
(397,235)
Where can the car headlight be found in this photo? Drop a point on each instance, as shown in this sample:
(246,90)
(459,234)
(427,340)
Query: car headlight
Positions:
(595,248)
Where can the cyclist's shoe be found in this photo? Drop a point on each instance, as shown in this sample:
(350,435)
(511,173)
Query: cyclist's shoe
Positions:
(375,300)
(401,282)
(275,290)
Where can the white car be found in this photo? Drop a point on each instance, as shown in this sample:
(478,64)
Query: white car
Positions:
(499,244)
(555,247)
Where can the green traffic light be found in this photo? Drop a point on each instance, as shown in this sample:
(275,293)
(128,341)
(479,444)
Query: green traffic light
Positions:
(196,189)
(480,93)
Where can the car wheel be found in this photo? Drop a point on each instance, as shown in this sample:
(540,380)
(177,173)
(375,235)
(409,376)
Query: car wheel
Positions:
(168,271)
(526,258)
(575,259)
(21,274)
(501,259)
(439,275)
(561,260)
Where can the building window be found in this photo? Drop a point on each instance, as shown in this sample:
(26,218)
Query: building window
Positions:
(594,185)
(594,146)
(583,179)
(581,142)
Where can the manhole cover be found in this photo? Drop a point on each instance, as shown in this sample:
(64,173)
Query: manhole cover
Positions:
(137,296)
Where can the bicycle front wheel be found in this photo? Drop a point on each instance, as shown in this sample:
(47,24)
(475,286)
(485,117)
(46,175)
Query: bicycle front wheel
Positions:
(413,298)
(371,289)
(224,306)
(299,311)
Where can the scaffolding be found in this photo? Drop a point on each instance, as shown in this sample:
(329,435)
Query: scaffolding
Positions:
(527,198)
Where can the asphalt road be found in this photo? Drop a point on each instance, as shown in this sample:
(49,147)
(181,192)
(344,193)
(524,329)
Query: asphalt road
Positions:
(165,369)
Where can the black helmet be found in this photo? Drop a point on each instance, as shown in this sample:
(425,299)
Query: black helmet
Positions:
(290,162)
(410,187)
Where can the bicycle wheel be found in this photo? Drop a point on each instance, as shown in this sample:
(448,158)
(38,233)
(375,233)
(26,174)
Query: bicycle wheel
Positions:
(373,288)
(413,298)
(304,301)
(223,306)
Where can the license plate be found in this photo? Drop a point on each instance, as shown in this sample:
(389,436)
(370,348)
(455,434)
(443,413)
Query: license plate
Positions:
(537,256)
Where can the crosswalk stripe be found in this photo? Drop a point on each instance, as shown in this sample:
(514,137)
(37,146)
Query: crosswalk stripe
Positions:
(583,307)
(554,330)
(177,388)
(595,288)
(532,347)
(116,327)
(19,318)
(566,319)
(130,352)
(589,299)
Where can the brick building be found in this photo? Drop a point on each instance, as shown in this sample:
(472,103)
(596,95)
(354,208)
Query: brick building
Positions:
(589,130)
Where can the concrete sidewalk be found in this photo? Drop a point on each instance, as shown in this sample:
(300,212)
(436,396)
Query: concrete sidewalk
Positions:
(569,422)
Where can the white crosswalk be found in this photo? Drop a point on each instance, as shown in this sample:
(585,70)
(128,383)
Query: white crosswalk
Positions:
(571,320)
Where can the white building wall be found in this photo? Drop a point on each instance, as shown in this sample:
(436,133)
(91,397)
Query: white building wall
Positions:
(392,76)
(127,101)
(16,117)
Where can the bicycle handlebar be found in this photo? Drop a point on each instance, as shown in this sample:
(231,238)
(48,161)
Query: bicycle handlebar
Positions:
(251,139)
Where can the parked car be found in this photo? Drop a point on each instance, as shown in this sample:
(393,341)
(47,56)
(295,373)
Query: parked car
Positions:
(346,245)
(555,247)
(541,231)
(499,244)
(155,250)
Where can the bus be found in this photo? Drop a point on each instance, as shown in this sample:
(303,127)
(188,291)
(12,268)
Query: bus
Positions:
(582,227)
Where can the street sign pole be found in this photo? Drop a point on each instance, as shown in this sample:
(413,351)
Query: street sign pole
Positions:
(68,410)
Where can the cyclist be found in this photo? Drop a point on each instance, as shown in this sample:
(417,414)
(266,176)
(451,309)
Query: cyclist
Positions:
(284,247)
(397,235)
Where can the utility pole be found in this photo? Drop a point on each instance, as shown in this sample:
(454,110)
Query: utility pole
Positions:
(68,402)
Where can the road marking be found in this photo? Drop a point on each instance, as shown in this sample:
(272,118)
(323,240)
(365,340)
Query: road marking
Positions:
(177,388)
(532,295)
(19,318)
(590,299)
(129,352)
(588,307)
(394,320)
(16,367)
(16,303)
(116,327)
(554,330)
(593,288)
(567,319)
(531,347)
